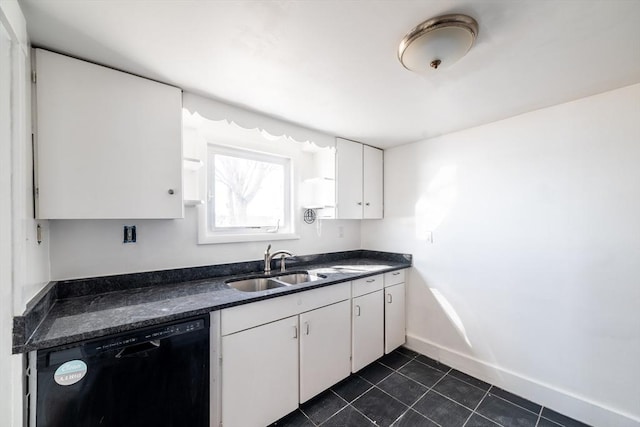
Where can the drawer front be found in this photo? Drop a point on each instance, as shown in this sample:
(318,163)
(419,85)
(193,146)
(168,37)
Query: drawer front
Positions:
(247,316)
(367,285)
(394,277)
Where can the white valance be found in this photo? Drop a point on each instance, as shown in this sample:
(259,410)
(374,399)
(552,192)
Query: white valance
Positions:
(218,111)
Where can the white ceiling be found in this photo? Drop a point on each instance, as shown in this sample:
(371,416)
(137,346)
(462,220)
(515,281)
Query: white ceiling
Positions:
(332,65)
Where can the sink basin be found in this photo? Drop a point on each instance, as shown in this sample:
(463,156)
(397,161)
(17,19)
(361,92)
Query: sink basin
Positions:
(296,278)
(255,284)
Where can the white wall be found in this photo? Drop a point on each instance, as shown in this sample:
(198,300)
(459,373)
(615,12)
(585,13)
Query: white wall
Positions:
(533,277)
(82,248)
(24,264)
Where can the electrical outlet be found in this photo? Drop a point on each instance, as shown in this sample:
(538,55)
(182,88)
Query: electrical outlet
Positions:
(129,234)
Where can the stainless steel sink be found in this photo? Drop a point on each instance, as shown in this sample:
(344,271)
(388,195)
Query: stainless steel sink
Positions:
(255,284)
(297,278)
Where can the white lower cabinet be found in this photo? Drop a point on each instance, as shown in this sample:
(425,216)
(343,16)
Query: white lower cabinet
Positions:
(325,351)
(368,329)
(283,351)
(395,333)
(260,374)
(268,368)
(394,317)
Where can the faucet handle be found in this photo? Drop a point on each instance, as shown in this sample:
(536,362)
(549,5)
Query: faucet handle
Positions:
(268,249)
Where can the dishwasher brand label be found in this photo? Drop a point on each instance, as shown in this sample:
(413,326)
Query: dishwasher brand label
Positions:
(70,372)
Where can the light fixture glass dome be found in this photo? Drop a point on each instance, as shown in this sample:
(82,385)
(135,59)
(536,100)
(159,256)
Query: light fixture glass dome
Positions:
(438,42)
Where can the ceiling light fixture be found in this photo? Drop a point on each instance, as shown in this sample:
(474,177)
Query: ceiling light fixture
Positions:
(437,42)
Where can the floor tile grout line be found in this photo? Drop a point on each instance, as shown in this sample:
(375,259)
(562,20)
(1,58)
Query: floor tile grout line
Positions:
(309,418)
(393,397)
(380,380)
(553,421)
(423,395)
(449,368)
(539,416)
(395,369)
(455,401)
(416,381)
(513,403)
(345,407)
(467,382)
(363,414)
(313,422)
(410,407)
(473,411)
(489,419)
(372,387)
(359,395)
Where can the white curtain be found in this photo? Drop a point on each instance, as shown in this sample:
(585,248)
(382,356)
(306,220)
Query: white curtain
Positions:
(268,126)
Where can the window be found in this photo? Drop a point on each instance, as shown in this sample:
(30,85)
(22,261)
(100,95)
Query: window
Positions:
(249,195)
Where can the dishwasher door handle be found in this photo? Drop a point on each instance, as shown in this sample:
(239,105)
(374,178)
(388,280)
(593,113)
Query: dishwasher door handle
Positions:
(138,349)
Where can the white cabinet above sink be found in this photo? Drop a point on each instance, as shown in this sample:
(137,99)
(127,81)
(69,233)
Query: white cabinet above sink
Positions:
(359,180)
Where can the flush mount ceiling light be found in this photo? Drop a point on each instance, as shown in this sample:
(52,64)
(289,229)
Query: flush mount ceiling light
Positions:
(437,42)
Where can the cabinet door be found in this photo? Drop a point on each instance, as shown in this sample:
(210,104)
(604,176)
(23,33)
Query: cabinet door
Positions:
(368,329)
(372,182)
(348,179)
(394,317)
(325,348)
(109,144)
(260,374)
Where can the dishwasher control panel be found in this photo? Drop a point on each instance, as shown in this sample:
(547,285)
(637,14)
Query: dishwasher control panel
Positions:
(144,335)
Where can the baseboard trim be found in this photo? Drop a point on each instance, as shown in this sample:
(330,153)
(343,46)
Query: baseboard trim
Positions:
(580,408)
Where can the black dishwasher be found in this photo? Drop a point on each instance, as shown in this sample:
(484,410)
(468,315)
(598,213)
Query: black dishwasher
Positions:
(150,377)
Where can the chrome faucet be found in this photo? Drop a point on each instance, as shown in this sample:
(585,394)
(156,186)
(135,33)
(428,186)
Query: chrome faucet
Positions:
(269,256)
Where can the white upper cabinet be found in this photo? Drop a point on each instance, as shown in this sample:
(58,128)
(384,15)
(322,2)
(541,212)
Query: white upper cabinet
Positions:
(348,179)
(108,143)
(372,183)
(359,180)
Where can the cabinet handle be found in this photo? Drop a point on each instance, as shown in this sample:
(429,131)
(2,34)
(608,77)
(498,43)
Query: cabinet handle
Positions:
(395,273)
(357,310)
(306,328)
(371,280)
(389,298)
(368,204)
(359,203)
(295,332)
(171,191)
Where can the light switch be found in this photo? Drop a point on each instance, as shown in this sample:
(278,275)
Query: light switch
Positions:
(430,237)
(129,234)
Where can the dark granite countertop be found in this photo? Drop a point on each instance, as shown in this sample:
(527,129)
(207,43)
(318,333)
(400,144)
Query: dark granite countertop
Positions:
(70,311)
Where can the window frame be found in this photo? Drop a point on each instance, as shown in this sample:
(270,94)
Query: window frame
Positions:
(208,233)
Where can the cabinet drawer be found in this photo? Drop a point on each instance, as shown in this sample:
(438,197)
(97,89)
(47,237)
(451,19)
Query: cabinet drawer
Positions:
(246,316)
(367,285)
(394,277)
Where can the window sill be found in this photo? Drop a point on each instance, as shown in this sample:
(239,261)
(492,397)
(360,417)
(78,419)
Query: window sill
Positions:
(239,238)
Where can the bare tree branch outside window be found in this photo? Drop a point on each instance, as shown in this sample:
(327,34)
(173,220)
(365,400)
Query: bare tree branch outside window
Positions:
(247,192)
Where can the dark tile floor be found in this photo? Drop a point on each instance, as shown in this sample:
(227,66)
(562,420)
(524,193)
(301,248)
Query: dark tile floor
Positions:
(407,389)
